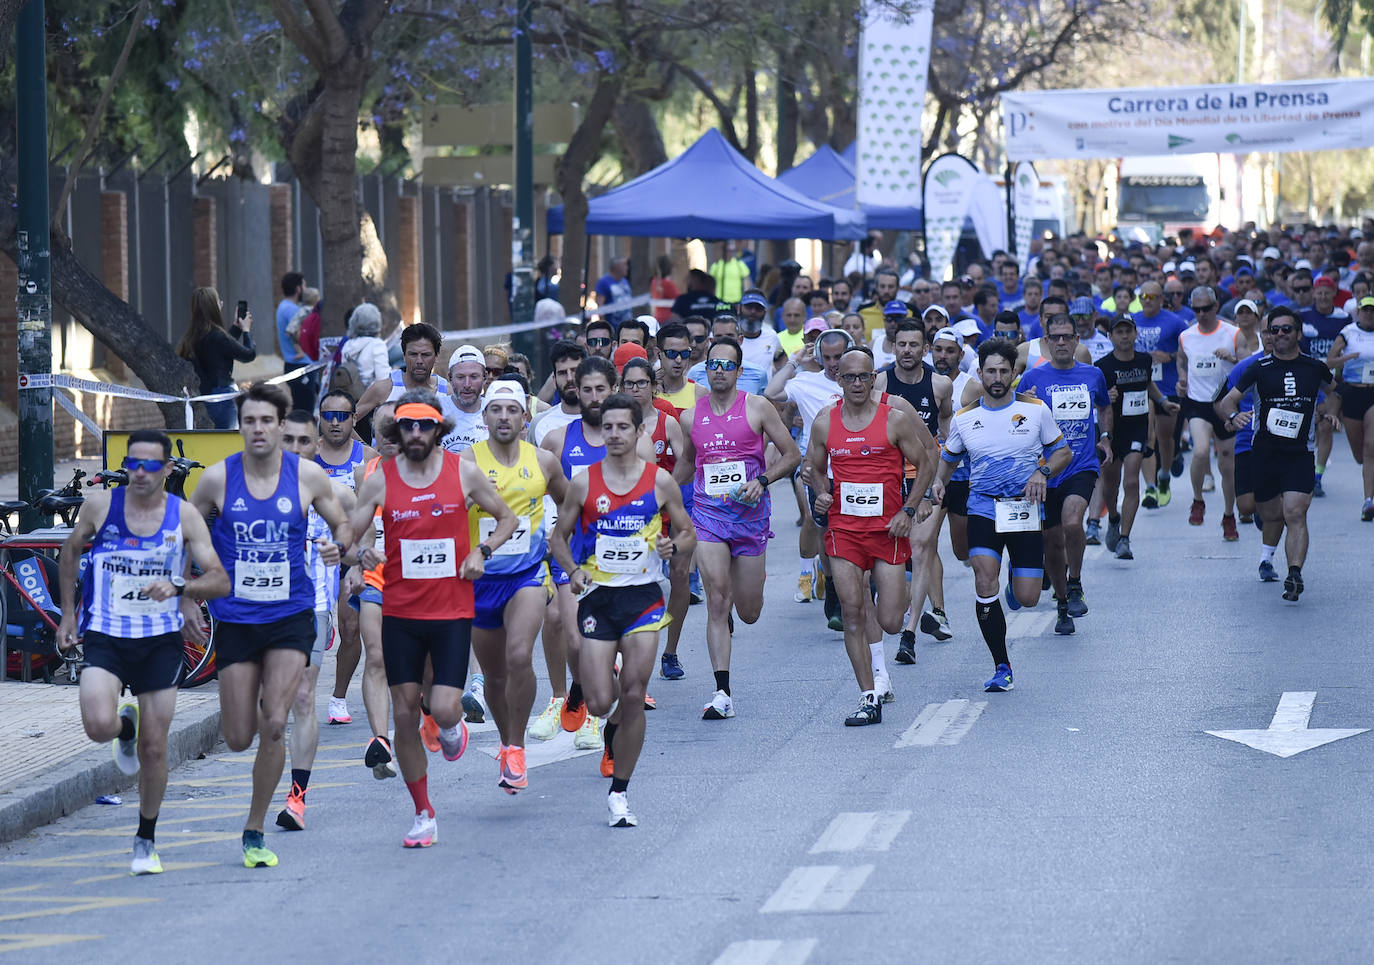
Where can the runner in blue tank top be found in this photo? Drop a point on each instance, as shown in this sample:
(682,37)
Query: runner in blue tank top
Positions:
(266,626)
(131,617)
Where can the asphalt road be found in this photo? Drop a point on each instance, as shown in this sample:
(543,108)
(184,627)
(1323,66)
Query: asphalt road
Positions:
(1085,817)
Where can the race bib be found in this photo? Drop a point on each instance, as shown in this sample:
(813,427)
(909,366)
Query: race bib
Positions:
(127,599)
(627,555)
(1365,371)
(1071,403)
(1205,363)
(428,559)
(723,478)
(262,582)
(861,499)
(1283,423)
(1156,371)
(1135,403)
(1017,515)
(517,545)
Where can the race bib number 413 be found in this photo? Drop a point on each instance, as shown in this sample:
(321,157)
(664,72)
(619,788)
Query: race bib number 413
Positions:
(428,559)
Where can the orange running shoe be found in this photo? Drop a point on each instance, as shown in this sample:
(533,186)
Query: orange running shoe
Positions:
(429,733)
(650,703)
(514,776)
(607,762)
(292,817)
(573,718)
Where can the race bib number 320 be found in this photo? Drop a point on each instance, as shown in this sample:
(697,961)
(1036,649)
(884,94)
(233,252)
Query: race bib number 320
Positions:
(428,559)
(262,582)
(861,499)
(723,478)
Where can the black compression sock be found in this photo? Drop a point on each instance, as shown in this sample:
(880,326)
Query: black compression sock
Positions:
(574,694)
(723,681)
(608,735)
(146,827)
(300,777)
(993,622)
(127,731)
(618,786)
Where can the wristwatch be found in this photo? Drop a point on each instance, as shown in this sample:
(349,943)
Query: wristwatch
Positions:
(178,584)
(910,510)
(1044,471)
(485,550)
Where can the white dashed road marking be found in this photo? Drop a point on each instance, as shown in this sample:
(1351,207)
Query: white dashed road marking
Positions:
(861,831)
(945,723)
(817,888)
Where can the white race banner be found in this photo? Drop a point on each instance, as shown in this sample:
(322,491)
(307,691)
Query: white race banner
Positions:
(1299,115)
(987,210)
(1024,183)
(949,184)
(894,58)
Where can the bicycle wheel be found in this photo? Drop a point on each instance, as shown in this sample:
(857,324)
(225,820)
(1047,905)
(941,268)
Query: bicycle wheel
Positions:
(198,661)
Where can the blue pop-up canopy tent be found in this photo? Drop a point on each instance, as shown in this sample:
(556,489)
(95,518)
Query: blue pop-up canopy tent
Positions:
(827,177)
(710,191)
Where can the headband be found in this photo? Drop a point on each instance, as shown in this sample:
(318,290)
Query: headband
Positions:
(418,410)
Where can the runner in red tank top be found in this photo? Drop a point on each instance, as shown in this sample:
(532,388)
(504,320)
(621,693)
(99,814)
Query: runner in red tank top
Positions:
(424,495)
(864,442)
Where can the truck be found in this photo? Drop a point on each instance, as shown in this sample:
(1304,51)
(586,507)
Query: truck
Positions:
(1159,196)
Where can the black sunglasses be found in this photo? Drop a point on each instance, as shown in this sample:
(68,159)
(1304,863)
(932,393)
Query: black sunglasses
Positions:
(410,425)
(676,353)
(1282,329)
(598,342)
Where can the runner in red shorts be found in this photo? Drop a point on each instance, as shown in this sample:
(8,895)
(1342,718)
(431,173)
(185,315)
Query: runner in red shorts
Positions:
(869,524)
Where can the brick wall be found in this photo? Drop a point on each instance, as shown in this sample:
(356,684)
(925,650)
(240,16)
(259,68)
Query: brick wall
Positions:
(462,267)
(206,243)
(283,233)
(406,269)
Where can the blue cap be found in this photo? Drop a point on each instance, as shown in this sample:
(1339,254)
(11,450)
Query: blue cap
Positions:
(754,298)
(1081,306)
(896,307)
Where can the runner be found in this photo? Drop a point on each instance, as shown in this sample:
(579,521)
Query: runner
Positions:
(265,628)
(340,453)
(301,436)
(724,437)
(429,563)
(133,602)
(859,444)
(1095,340)
(607,535)
(510,598)
(1245,472)
(1207,350)
(565,357)
(1077,396)
(1353,353)
(946,355)
(467,373)
(1286,384)
(1157,331)
(1014,448)
(420,347)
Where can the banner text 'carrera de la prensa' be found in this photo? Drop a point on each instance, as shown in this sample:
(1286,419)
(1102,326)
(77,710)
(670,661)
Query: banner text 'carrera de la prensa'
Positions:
(1305,115)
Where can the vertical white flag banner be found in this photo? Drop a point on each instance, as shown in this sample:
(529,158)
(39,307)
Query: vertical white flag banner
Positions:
(894,59)
(987,210)
(949,185)
(1024,185)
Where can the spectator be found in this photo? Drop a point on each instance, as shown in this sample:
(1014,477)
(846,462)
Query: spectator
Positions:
(212,352)
(302,389)
(547,277)
(731,275)
(305,327)
(698,299)
(614,286)
(364,348)
(662,288)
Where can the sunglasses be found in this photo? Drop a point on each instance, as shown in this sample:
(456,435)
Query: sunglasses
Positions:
(410,425)
(677,353)
(856,378)
(721,365)
(698,339)
(598,342)
(492,371)
(1062,337)
(1282,329)
(147,465)
(336,415)
(1298,290)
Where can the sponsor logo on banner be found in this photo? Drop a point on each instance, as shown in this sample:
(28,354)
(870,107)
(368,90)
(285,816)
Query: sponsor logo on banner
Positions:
(1025,182)
(948,190)
(894,60)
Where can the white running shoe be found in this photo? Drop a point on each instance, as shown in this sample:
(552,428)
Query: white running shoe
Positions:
(145,859)
(1208,483)
(588,736)
(423,833)
(619,808)
(547,724)
(126,751)
(720,707)
(338,711)
(882,683)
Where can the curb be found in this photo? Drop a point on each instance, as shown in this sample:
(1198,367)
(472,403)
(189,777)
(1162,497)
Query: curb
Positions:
(77,783)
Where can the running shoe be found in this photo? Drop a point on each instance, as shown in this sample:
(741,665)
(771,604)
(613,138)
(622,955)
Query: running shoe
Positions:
(588,736)
(1267,573)
(256,854)
(1151,498)
(805,582)
(870,712)
(669,668)
(572,718)
(473,711)
(1113,535)
(882,686)
(1164,498)
(292,817)
(1317,491)
(423,833)
(1012,602)
(607,762)
(1123,549)
(1092,532)
(1247,518)
(1176,467)
(1367,513)
(1292,585)
(936,624)
(338,711)
(1000,682)
(126,751)
(818,588)
(514,775)
(1063,625)
(1209,485)
(835,623)
(619,808)
(454,741)
(546,725)
(429,732)
(1196,513)
(720,707)
(378,757)
(906,650)
(649,704)
(694,591)
(1228,529)
(1078,606)
(145,860)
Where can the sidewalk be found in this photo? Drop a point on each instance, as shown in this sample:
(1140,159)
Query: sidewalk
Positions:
(49,768)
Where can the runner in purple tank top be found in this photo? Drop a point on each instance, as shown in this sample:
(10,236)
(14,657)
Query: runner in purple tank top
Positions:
(724,438)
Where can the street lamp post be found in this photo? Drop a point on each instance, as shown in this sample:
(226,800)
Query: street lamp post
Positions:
(522,233)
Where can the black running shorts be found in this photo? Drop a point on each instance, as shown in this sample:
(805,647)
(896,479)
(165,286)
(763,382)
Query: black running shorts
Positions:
(146,664)
(247,642)
(406,643)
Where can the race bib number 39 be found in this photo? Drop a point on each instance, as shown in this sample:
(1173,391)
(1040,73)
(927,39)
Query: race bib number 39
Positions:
(127,599)
(262,582)
(627,555)
(1135,403)
(1071,403)
(428,559)
(517,545)
(1017,515)
(1283,423)
(861,499)
(723,478)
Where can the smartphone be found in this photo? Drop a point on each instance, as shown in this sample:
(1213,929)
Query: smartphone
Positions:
(242,311)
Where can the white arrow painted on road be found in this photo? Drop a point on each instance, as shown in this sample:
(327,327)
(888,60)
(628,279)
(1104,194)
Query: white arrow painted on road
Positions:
(1288,733)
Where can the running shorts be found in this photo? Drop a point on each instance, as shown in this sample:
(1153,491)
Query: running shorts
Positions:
(1025,551)
(492,593)
(866,549)
(1192,409)
(1277,472)
(146,664)
(1245,473)
(956,497)
(1130,436)
(369,594)
(1356,400)
(612,612)
(1079,484)
(406,643)
(745,537)
(247,642)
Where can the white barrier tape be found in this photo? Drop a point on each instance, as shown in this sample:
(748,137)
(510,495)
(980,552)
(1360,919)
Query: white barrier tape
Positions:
(79,416)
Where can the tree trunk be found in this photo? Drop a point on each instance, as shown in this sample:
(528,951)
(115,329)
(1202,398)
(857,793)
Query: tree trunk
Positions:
(787,110)
(583,150)
(643,143)
(751,110)
(340,226)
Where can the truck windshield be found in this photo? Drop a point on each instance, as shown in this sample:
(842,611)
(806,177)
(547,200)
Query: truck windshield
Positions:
(1163,197)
